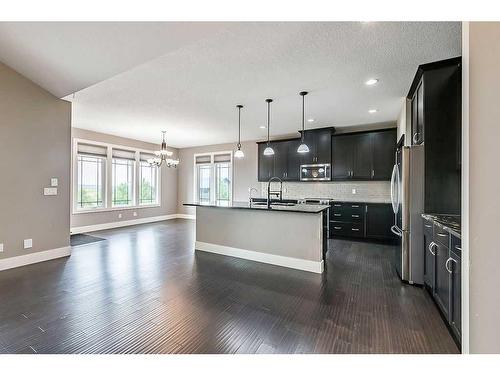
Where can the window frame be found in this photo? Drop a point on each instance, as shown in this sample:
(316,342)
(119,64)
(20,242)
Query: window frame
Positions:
(108,176)
(213,175)
(157,184)
(131,183)
(103,184)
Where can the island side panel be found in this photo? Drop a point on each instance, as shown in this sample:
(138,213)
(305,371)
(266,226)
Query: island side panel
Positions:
(287,234)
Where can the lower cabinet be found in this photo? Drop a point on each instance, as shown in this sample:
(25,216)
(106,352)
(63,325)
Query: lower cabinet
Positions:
(361,220)
(442,275)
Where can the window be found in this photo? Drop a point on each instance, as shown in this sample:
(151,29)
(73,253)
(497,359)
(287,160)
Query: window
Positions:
(148,184)
(90,186)
(108,177)
(123,182)
(213,178)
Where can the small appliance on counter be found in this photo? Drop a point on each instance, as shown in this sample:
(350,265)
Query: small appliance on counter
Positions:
(315,172)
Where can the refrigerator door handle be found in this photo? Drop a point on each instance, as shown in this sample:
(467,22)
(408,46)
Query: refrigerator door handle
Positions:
(394,202)
(396,231)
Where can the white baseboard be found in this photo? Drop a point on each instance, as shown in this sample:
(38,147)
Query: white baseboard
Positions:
(40,256)
(118,224)
(278,260)
(186,216)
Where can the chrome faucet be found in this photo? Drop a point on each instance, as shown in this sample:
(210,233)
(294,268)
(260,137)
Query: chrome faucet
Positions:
(250,194)
(269,192)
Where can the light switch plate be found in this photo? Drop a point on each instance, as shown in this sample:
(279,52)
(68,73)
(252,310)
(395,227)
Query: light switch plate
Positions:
(28,243)
(50,191)
(119,216)
(1,247)
(54,182)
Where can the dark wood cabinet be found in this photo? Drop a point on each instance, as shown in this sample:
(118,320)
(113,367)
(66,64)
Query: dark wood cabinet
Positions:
(342,157)
(379,219)
(320,147)
(362,166)
(280,159)
(429,255)
(455,265)
(265,164)
(383,154)
(417,115)
(363,156)
(361,220)
(442,279)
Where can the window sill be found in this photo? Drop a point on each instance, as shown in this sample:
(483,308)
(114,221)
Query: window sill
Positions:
(111,209)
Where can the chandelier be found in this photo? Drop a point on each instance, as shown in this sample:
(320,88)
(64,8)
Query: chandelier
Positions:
(163,156)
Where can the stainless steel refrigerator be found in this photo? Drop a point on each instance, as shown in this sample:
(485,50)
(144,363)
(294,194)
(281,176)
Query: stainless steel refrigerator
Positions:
(407,196)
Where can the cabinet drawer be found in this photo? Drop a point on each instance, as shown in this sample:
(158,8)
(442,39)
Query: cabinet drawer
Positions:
(356,230)
(441,236)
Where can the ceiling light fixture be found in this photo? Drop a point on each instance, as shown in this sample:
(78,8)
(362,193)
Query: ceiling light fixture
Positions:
(238,153)
(262,127)
(310,120)
(163,156)
(372,110)
(268,151)
(303,148)
(371,82)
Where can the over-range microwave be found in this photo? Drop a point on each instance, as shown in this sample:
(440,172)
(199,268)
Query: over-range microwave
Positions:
(315,172)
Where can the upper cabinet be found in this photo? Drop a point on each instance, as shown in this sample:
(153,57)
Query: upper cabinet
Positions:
(363,156)
(320,147)
(436,102)
(355,156)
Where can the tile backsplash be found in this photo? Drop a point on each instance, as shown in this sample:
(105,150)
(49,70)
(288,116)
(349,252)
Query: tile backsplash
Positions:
(369,191)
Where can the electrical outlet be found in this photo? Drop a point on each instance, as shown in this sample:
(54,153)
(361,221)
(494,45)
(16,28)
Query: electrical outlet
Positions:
(135,213)
(119,216)
(1,247)
(28,243)
(354,191)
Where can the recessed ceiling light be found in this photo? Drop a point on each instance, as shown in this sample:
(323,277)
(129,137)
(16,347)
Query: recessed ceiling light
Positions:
(310,120)
(371,82)
(262,127)
(372,110)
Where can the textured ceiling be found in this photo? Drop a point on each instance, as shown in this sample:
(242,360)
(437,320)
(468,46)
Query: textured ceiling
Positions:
(190,86)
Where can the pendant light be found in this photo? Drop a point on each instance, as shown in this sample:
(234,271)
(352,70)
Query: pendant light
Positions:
(268,151)
(303,148)
(238,153)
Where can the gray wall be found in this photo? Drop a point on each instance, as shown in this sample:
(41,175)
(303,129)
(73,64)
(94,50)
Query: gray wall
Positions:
(34,146)
(168,185)
(484,186)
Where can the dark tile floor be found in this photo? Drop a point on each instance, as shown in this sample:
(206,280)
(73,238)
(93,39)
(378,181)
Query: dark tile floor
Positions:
(145,290)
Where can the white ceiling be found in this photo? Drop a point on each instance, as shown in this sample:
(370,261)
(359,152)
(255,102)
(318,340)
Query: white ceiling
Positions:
(187,78)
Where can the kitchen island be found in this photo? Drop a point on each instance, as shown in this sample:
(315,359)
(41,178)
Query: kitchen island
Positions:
(288,235)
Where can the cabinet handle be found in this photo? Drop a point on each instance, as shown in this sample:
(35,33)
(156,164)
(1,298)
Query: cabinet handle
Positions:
(446,265)
(354,215)
(355,206)
(337,205)
(458,248)
(373,173)
(415,138)
(336,214)
(355,229)
(428,226)
(431,245)
(442,235)
(337,227)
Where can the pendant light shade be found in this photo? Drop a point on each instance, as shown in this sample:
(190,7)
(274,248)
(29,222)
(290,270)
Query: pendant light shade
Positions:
(268,151)
(238,153)
(303,148)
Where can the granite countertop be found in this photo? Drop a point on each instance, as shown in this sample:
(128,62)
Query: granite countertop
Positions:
(301,208)
(449,223)
(363,200)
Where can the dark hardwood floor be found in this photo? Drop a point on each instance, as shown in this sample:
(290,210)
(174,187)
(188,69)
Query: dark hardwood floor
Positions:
(145,290)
